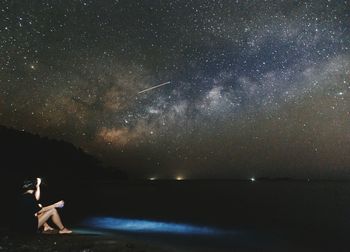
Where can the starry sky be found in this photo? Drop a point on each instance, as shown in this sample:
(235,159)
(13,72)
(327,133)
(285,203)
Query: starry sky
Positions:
(257,88)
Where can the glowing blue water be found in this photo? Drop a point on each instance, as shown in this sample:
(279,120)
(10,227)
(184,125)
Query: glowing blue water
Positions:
(148,226)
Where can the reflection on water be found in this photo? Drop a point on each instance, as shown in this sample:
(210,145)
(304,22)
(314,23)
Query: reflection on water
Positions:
(148,226)
(83,231)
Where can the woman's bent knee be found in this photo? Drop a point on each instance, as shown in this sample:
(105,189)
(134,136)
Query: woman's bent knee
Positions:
(53,211)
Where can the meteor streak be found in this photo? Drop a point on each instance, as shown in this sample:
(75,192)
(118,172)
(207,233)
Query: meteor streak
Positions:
(148,89)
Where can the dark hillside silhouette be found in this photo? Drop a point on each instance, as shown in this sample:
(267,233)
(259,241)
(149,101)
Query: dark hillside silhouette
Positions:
(24,155)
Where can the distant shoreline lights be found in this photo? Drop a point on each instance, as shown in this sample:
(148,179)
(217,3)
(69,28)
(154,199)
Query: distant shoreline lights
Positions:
(178,178)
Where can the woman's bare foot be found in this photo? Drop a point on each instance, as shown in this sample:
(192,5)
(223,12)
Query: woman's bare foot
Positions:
(65,231)
(47,228)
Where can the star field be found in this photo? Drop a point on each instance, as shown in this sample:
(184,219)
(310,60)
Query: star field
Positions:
(258,88)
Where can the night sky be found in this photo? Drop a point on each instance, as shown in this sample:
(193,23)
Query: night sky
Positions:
(257,88)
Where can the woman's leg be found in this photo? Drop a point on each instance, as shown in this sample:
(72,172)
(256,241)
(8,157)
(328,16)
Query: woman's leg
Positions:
(46,226)
(53,214)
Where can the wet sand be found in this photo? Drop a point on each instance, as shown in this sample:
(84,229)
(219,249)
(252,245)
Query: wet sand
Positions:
(74,242)
(78,242)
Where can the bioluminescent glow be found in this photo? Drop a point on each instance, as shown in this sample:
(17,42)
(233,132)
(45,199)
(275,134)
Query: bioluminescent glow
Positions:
(83,231)
(148,226)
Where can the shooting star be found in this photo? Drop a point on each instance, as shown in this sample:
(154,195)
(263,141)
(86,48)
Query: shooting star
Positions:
(148,89)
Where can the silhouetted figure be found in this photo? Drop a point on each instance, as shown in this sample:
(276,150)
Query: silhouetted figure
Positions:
(31,216)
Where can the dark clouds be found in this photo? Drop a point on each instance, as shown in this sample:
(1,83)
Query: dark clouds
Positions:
(257,87)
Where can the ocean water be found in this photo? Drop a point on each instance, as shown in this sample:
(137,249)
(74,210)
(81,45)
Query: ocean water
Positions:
(226,215)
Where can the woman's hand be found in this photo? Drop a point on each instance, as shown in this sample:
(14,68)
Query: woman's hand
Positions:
(37,192)
(38,182)
(59,204)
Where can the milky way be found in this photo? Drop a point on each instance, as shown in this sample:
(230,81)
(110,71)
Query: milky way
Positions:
(258,88)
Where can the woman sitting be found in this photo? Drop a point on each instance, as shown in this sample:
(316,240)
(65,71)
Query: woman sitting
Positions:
(32,216)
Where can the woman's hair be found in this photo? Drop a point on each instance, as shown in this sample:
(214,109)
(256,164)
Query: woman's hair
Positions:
(29,184)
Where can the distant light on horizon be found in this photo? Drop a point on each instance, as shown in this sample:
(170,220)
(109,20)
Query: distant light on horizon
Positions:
(180,178)
(152,178)
(252,179)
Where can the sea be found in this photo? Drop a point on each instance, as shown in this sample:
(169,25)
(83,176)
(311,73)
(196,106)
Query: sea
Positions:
(218,215)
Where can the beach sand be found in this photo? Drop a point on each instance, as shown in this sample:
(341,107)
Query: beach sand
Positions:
(10,241)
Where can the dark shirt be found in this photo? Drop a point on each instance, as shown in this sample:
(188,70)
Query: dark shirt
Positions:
(27,207)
